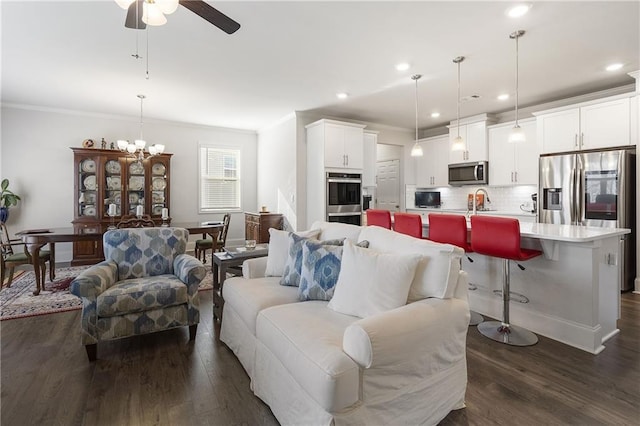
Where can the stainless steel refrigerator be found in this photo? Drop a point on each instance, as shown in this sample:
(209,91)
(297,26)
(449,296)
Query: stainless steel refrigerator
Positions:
(592,188)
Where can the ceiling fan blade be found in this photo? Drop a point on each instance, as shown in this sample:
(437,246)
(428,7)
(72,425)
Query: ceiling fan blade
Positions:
(131,21)
(211,14)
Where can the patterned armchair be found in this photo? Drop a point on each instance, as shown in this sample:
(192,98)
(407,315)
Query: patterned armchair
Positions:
(146,284)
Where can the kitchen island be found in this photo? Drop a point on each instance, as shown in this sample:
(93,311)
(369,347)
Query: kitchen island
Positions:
(573,290)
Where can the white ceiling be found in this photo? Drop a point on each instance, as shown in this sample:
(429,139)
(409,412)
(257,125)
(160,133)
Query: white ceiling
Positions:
(295,56)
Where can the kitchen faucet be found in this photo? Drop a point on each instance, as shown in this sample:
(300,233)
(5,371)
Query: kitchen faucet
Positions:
(475,200)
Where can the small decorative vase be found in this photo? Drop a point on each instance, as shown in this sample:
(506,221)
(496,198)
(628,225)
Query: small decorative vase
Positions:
(4,214)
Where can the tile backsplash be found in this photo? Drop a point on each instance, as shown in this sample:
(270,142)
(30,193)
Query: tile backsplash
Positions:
(503,198)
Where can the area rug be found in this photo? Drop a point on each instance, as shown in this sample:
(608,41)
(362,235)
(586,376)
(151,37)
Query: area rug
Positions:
(18,300)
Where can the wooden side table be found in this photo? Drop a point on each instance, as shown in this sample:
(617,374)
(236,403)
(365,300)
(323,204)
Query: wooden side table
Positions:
(256,225)
(220,264)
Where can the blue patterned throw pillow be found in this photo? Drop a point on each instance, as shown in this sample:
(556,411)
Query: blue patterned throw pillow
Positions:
(320,269)
(293,267)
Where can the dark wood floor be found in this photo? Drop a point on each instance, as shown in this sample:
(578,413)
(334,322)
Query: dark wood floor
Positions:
(163,379)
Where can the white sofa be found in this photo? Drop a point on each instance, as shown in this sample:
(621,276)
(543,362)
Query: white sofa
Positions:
(315,366)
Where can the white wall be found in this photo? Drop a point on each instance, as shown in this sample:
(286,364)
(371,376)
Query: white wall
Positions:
(35,156)
(277,169)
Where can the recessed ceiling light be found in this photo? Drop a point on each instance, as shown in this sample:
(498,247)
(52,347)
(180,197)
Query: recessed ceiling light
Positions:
(435,114)
(503,97)
(614,67)
(518,10)
(342,95)
(402,67)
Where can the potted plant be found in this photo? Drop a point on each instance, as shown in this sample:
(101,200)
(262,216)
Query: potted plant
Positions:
(7,199)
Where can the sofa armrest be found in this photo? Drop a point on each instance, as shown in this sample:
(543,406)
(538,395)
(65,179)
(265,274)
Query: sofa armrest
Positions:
(190,271)
(254,268)
(94,280)
(434,330)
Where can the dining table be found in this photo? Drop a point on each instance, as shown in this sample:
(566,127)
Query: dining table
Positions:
(35,239)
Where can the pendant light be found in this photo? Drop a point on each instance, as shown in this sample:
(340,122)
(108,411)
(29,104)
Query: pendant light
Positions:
(458,141)
(137,147)
(517,134)
(416,151)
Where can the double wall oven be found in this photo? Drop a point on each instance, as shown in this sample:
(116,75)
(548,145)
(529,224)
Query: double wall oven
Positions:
(344,198)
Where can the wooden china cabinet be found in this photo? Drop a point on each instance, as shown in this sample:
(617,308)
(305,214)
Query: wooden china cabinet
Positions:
(103,177)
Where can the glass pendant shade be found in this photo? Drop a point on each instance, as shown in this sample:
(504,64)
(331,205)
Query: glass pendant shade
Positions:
(139,143)
(153,150)
(124,3)
(122,145)
(416,151)
(517,135)
(131,148)
(167,6)
(458,144)
(159,148)
(152,15)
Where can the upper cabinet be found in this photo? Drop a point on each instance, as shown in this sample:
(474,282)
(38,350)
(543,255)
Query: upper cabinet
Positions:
(369,158)
(513,163)
(592,125)
(340,145)
(431,168)
(475,139)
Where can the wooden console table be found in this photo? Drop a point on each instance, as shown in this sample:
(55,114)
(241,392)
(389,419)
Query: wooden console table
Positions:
(35,239)
(221,262)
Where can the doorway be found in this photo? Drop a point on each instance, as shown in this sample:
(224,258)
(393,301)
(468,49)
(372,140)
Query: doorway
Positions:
(388,185)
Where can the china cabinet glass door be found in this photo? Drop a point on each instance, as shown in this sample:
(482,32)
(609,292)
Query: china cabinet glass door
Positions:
(136,187)
(87,188)
(159,186)
(113,186)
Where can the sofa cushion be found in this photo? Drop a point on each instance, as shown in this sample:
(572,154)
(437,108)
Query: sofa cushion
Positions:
(333,230)
(372,282)
(249,296)
(307,339)
(436,274)
(141,294)
(279,250)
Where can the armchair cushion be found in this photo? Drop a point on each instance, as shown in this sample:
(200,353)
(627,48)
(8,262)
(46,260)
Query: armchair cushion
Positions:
(142,294)
(144,252)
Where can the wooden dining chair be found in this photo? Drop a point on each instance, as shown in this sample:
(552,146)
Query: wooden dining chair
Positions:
(216,242)
(9,258)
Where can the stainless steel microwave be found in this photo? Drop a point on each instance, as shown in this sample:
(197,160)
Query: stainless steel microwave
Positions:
(473,173)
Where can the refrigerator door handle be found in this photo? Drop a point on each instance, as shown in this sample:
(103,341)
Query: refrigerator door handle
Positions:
(580,196)
(572,196)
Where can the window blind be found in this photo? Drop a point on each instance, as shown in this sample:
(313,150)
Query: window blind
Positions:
(219,178)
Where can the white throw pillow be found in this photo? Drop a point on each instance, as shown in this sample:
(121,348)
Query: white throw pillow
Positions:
(372,282)
(279,250)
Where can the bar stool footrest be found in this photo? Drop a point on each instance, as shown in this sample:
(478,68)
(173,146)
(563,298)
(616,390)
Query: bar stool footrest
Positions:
(520,298)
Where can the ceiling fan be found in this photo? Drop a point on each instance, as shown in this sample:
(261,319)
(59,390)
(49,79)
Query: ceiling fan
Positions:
(141,13)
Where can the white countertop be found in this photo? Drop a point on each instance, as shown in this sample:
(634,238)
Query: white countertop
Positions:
(464,211)
(569,233)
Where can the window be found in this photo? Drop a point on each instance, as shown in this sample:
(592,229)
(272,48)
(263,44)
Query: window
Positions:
(219,179)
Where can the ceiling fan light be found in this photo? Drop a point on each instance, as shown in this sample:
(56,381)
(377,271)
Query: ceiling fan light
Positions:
(152,15)
(416,151)
(167,6)
(458,144)
(517,135)
(124,3)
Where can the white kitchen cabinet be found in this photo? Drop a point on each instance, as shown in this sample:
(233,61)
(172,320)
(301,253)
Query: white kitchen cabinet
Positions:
(431,168)
(475,139)
(342,143)
(369,158)
(513,163)
(592,125)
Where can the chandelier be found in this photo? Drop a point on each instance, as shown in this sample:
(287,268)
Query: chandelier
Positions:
(136,148)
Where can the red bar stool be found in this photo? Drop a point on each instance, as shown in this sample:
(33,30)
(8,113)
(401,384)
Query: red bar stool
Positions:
(379,218)
(500,237)
(452,229)
(408,224)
